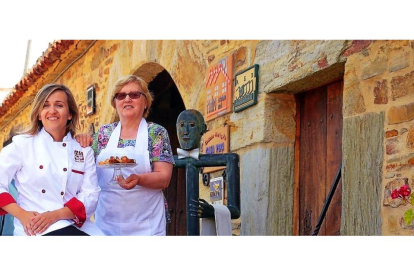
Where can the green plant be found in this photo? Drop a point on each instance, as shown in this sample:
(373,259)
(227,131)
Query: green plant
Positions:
(404,192)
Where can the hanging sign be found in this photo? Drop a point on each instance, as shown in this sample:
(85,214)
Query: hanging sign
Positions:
(219,83)
(216,189)
(246,88)
(215,142)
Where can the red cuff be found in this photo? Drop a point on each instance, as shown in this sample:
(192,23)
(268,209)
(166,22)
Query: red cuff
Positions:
(78,209)
(5,199)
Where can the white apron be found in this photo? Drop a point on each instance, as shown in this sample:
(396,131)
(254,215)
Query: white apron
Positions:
(136,212)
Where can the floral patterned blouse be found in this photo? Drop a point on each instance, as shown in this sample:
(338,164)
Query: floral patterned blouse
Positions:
(158,142)
(158,146)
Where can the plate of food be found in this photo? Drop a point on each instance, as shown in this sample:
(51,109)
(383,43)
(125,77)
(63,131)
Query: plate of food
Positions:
(115,162)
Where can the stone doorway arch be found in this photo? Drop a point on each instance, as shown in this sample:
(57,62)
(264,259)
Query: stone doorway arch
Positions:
(166,107)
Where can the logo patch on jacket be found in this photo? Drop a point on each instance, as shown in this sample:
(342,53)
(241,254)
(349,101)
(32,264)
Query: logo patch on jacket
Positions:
(79,156)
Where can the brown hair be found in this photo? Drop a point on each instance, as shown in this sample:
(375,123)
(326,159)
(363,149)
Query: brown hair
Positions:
(39,101)
(128,79)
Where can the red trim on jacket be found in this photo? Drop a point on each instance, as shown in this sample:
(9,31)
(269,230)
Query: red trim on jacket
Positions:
(78,209)
(5,199)
(79,172)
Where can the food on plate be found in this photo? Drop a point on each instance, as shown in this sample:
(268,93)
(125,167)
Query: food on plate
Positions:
(113,160)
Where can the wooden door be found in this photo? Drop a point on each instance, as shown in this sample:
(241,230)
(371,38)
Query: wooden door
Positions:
(320,155)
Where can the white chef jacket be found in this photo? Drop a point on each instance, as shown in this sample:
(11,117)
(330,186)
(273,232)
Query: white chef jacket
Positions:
(48,176)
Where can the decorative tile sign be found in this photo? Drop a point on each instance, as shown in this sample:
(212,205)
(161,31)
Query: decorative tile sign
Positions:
(216,189)
(218,88)
(246,88)
(215,142)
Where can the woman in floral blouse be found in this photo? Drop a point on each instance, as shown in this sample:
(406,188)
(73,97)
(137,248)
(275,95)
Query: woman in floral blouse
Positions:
(136,206)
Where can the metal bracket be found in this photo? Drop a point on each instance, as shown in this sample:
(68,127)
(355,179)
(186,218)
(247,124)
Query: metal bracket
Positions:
(224,175)
(206,179)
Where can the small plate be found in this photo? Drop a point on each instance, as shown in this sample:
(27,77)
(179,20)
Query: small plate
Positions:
(117,165)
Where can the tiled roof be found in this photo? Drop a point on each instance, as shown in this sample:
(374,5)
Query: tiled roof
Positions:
(4,92)
(52,54)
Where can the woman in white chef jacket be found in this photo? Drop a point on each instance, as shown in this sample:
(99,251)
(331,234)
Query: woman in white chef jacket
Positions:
(54,176)
(136,205)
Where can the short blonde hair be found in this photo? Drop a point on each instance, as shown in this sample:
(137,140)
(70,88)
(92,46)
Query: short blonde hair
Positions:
(128,79)
(39,101)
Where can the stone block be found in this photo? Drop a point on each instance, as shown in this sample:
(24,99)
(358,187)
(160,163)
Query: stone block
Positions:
(295,61)
(353,100)
(365,52)
(279,119)
(354,103)
(404,225)
(402,85)
(375,68)
(356,46)
(410,138)
(362,175)
(381,92)
(240,56)
(400,114)
(267,193)
(400,163)
(390,175)
(395,45)
(391,133)
(392,146)
(400,62)
(392,223)
(391,186)
(109,61)
(98,57)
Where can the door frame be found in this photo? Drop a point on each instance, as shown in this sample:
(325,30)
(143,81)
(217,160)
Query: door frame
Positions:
(296,187)
(175,192)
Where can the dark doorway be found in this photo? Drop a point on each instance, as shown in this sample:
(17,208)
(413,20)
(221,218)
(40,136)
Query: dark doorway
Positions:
(320,155)
(165,109)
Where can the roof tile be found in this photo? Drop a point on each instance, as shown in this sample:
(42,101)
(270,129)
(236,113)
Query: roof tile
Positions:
(52,54)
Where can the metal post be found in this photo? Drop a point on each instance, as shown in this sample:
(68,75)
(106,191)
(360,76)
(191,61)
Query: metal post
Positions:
(3,219)
(192,188)
(327,201)
(26,63)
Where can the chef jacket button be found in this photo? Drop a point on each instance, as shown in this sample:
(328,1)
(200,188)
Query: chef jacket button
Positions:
(43,191)
(41,167)
(64,144)
(62,193)
(64,169)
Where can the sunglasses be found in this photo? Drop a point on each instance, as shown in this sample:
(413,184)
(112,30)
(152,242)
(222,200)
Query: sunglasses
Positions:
(133,95)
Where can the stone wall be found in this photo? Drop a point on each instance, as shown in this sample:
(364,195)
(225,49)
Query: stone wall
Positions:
(378,82)
(103,62)
(292,66)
